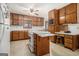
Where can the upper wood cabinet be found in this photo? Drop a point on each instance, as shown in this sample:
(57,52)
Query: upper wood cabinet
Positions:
(71,18)
(62,16)
(54,16)
(18,19)
(14,19)
(71,8)
(38,21)
(71,13)
(68,14)
(51,14)
(62,12)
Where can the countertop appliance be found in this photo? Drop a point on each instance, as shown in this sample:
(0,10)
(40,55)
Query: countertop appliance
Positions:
(4,30)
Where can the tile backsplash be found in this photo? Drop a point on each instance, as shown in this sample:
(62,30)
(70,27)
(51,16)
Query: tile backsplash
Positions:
(74,28)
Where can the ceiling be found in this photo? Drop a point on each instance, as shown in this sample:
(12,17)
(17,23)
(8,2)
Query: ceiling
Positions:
(22,8)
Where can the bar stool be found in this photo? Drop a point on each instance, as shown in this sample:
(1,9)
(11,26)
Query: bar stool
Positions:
(60,40)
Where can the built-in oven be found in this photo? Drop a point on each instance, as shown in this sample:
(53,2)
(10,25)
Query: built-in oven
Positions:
(51,21)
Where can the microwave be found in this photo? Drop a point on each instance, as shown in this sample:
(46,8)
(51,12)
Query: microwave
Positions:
(51,21)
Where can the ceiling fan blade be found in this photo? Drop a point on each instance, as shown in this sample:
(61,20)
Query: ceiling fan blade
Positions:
(36,10)
(36,13)
(31,10)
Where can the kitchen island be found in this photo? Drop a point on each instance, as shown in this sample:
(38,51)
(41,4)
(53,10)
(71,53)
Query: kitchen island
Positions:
(41,42)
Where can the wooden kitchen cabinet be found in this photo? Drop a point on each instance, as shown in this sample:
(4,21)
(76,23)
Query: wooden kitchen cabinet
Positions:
(71,13)
(52,39)
(21,35)
(26,36)
(68,14)
(62,15)
(51,14)
(71,18)
(18,35)
(18,19)
(15,35)
(38,21)
(54,16)
(15,19)
(41,45)
(71,41)
(71,8)
(51,28)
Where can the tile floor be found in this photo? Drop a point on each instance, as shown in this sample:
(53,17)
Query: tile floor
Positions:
(20,48)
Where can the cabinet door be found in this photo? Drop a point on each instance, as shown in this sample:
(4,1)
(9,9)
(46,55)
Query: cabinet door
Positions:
(26,35)
(39,46)
(62,12)
(52,38)
(71,18)
(42,45)
(34,21)
(56,28)
(21,34)
(68,45)
(71,8)
(51,28)
(51,14)
(62,16)
(15,35)
(15,19)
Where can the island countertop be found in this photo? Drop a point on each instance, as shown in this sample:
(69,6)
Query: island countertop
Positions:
(44,33)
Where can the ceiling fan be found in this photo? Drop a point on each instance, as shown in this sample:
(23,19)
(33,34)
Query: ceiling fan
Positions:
(33,11)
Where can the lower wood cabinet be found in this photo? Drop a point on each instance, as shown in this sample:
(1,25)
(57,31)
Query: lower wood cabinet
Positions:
(21,35)
(71,41)
(18,35)
(15,35)
(52,38)
(41,45)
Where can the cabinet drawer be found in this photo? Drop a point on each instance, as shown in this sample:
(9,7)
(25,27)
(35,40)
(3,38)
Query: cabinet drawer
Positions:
(68,40)
(68,37)
(52,38)
(68,45)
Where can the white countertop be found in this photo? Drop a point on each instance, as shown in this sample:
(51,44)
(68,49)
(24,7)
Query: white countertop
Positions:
(44,33)
(67,33)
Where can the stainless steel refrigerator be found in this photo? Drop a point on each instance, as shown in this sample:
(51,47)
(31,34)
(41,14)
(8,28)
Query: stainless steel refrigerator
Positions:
(4,30)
